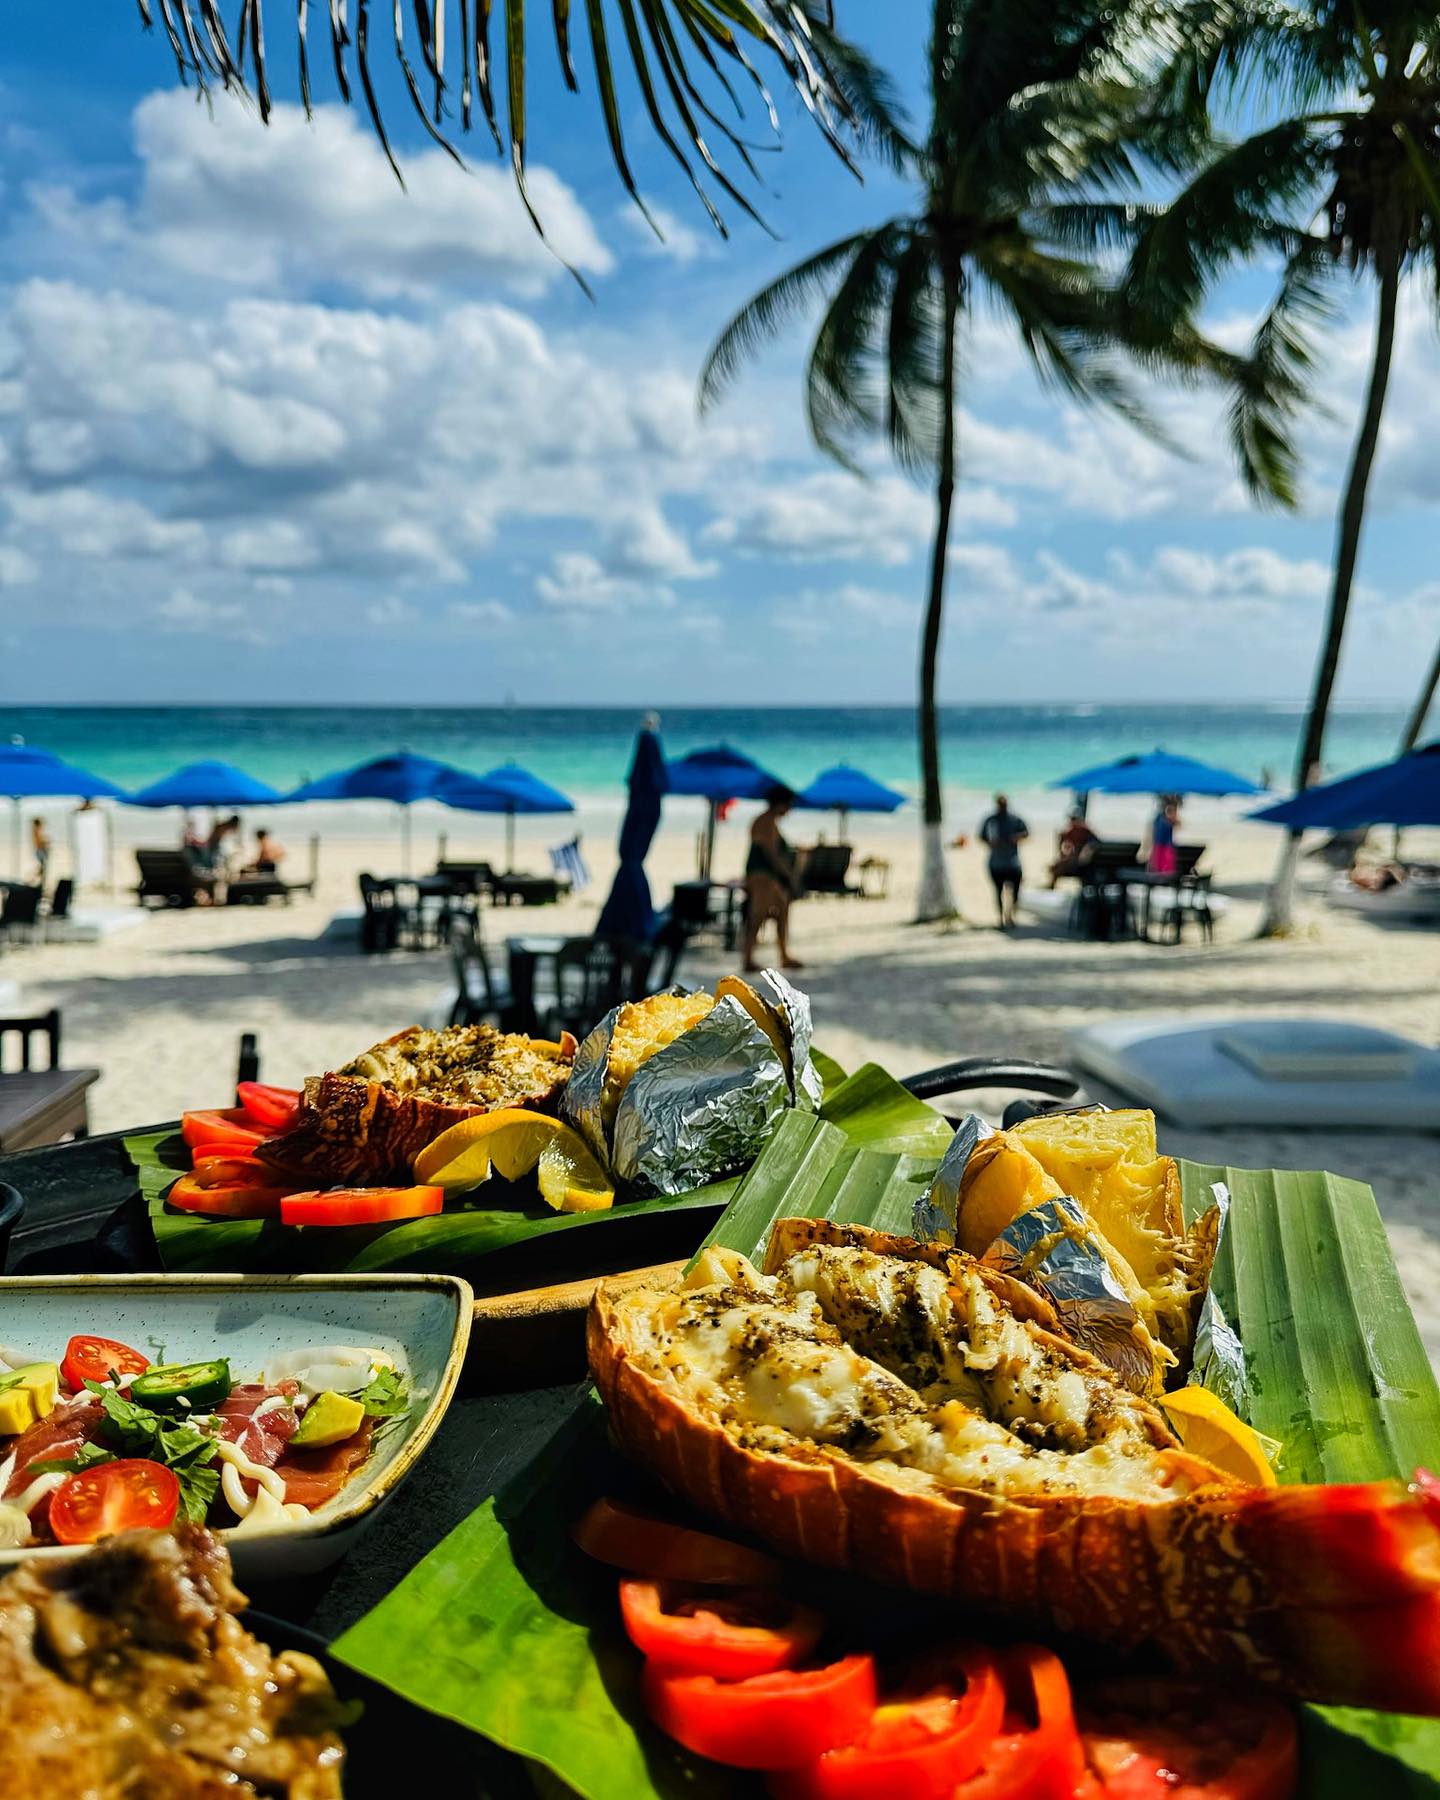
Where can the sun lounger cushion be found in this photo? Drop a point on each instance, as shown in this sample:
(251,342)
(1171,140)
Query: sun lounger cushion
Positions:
(1266,1072)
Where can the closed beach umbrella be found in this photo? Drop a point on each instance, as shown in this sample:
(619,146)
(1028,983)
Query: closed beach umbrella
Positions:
(30,774)
(205,783)
(717,774)
(845,790)
(628,912)
(1400,793)
(402,778)
(1157,772)
(510,790)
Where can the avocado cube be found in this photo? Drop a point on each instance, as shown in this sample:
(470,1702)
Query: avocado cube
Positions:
(330,1418)
(17,1410)
(42,1382)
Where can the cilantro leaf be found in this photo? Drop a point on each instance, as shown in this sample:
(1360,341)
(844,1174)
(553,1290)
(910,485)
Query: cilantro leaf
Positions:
(199,1484)
(86,1457)
(136,1431)
(387,1396)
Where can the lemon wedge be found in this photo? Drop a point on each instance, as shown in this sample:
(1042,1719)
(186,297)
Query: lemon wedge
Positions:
(509,1140)
(1206,1427)
(570,1178)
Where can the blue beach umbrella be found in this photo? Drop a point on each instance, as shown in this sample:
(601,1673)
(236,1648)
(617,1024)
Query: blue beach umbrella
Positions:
(1157,772)
(30,774)
(510,790)
(402,778)
(845,790)
(628,912)
(716,774)
(1400,793)
(205,783)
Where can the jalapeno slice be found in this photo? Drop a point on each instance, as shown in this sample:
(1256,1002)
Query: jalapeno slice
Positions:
(183,1387)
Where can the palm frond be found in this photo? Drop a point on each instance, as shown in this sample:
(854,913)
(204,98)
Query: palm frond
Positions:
(765,316)
(686,43)
(915,414)
(845,383)
(878,118)
(1232,50)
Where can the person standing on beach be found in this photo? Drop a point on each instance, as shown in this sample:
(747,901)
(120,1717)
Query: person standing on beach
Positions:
(771,878)
(40,845)
(1003,833)
(1161,860)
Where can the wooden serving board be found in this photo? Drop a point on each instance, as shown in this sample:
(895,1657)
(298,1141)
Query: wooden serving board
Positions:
(537,1334)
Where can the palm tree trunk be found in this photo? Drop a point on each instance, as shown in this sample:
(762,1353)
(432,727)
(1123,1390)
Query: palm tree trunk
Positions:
(1280,901)
(1424,701)
(936,899)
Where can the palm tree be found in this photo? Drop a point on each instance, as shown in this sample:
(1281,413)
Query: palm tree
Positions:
(1424,700)
(1035,113)
(687,58)
(1345,183)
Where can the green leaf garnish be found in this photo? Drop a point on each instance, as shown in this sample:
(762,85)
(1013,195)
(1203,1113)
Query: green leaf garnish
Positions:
(387,1396)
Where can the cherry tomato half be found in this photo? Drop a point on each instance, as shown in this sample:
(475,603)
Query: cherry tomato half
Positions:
(232,1128)
(731,1635)
(360,1206)
(1037,1754)
(1160,1739)
(250,1201)
(274,1109)
(768,1722)
(235,1171)
(643,1544)
(96,1358)
(920,1741)
(129,1495)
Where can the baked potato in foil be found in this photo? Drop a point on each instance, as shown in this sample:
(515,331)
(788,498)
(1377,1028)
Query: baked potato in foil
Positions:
(681,1088)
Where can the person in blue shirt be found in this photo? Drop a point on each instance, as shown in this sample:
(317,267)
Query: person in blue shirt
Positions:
(1003,833)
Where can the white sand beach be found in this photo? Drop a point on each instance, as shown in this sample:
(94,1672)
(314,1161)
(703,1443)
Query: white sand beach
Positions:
(160,1008)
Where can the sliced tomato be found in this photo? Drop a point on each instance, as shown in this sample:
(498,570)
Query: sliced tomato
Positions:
(1159,1739)
(360,1206)
(644,1544)
(250,1202)
(230,1128)
(768,1722)
(274,1109)
(239,1149)
(919,1742)
(129,1495)
(235,1171)
(1037,1754)
(730,1635)
(96,1359)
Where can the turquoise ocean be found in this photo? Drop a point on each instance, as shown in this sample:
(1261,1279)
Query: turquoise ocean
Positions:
(585,751)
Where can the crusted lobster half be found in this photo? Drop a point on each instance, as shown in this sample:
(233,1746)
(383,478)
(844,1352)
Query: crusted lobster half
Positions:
(897,1410)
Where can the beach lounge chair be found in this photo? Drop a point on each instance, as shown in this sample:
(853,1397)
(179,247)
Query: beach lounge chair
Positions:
(20,911)
(1340,849)
(59,907)
(570,866)
(467,877)
(170,877)
(527,890)
(258,889)
(825,868)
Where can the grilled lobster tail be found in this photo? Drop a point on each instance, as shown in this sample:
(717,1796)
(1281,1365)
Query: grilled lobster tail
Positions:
(971,1478)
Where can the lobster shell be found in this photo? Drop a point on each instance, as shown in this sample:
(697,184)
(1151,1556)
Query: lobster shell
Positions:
(1332,1593)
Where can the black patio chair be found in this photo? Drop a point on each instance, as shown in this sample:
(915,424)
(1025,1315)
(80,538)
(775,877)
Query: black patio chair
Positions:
(591,975)
(482,991)
(655,970)
(380,927)
(42,1025)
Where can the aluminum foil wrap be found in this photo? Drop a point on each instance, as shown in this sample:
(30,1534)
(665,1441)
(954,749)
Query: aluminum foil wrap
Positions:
(937,1211)
(580,1103)
(1217,1360)
(794,1010)
(1053,1249)
(699,1108)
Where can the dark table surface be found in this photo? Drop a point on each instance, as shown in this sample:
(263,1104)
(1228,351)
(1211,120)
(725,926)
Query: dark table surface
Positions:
(28,1096)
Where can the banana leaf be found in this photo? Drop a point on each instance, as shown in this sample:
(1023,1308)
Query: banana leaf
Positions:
(507,1629)
(869,1107)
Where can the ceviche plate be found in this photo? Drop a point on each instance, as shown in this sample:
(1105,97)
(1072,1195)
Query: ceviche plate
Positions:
(416,1326)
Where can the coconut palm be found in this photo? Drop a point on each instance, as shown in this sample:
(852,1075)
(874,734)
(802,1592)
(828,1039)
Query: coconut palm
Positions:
(1343,184)
(687,57)
(1036,116)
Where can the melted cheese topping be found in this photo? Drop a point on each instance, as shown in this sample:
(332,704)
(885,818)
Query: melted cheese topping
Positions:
(928,1377)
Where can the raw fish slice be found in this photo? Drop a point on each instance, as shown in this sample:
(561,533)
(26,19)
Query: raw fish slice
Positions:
(312,1477)
(54,1438)
(264,1439)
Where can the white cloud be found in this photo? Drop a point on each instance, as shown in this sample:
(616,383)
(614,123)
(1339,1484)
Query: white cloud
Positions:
(1254,572)
(838,516)
(302,202)
(391,613)
(182,610)
(89,523)
(677,240)
(644,542)
(579,583)
(480,612)
(16,568)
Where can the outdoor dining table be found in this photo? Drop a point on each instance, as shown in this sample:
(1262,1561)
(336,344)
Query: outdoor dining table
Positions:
(1153,881)
(532,957)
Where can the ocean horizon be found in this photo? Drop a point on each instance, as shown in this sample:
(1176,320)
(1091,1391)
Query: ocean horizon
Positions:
(585,750)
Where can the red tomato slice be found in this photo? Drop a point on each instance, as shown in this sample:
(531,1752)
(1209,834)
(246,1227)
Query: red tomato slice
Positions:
(229,1128)
(730,1635)
(95,1358)
(233,1202)
(129,1495)
(768,1722)
(239,1149)
(234,1171)
(919,1743)
(643,1544)
(1158,1739)
(360,1206)
(273,1108)
(1037,1755)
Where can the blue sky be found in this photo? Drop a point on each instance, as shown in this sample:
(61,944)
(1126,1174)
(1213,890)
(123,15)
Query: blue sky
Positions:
(273,429)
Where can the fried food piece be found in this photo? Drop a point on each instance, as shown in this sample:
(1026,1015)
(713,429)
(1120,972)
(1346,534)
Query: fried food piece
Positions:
(127,1677)
(642,1029)
(369,1120)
